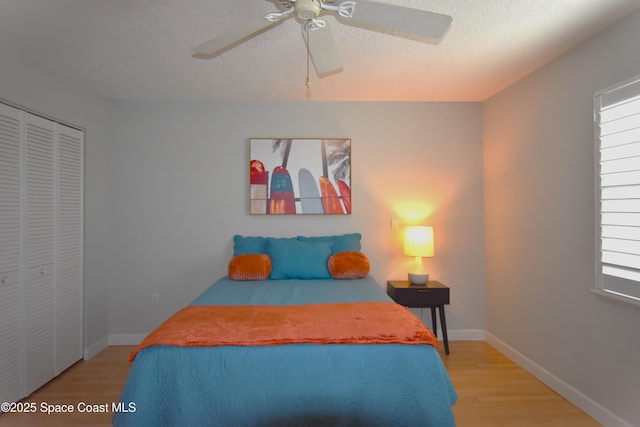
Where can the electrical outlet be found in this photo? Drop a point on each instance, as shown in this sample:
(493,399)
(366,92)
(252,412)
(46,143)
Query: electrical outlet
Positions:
(155,298)
(395,224)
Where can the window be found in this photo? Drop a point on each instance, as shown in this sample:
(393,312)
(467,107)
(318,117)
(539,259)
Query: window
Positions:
(617,156)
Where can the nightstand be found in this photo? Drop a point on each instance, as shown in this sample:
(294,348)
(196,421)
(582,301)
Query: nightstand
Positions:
(432,295)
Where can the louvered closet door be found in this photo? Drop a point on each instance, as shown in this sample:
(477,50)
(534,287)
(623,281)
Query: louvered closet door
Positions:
(69,247)
(10,310)
(39,249)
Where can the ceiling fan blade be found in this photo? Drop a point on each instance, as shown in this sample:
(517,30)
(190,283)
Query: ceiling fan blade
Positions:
(239,34)
(401,19)
(323,49)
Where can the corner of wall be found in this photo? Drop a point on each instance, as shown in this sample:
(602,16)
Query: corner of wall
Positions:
(95,348)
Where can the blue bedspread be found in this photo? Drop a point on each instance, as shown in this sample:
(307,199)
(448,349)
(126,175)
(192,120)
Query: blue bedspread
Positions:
(291,385)
(291,292)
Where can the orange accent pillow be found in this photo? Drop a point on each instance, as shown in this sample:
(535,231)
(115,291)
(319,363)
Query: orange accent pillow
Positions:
(250,267)
(348,265)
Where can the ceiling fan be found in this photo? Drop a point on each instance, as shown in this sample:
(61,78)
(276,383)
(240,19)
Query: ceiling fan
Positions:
(321,45)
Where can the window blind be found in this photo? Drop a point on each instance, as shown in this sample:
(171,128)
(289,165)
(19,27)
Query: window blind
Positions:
(618,189)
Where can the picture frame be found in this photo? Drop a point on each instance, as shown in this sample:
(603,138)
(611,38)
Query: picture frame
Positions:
(300,176)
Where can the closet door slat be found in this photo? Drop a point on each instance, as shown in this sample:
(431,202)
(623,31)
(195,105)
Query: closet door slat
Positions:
(10,306)
(68,247)
(39,251)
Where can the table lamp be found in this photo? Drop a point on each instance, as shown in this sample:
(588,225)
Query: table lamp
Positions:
(418,243)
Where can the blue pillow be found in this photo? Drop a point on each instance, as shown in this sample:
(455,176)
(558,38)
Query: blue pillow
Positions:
(296,259)
(249,245)
(342,243)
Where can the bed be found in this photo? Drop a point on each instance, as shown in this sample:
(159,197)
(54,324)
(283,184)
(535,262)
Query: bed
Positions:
(290,383)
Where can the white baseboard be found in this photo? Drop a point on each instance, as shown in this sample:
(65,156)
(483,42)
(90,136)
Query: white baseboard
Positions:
(594,409)
(452,334)
(463,334)
(95,348)
(126,339)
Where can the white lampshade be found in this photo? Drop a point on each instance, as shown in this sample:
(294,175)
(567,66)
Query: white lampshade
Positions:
(418,243)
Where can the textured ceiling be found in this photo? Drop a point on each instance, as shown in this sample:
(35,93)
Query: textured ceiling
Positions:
(140,49)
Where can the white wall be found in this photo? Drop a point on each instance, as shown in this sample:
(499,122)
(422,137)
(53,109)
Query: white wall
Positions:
(179,188)
(24,82)
(539,199)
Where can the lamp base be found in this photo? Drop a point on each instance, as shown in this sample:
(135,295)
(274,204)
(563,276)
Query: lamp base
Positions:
(418,279)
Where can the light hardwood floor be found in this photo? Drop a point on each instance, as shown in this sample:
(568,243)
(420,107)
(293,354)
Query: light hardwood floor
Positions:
(492,391)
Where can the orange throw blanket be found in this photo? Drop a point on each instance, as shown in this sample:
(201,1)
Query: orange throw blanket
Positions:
(263,325)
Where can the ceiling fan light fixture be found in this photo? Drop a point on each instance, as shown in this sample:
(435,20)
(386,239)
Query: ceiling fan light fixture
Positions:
(307,9)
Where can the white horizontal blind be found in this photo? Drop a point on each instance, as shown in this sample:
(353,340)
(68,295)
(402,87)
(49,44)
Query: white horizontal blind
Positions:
(618,189)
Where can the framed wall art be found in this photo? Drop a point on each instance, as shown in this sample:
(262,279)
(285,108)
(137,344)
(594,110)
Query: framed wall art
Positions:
(300,176)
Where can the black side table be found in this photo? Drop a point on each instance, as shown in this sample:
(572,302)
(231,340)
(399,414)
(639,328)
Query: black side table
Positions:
(432,295)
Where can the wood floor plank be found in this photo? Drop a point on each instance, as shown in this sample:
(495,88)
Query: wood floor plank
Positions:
(492,391)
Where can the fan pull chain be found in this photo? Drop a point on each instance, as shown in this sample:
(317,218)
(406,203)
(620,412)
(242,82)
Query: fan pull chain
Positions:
(310,26)
(308,83)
